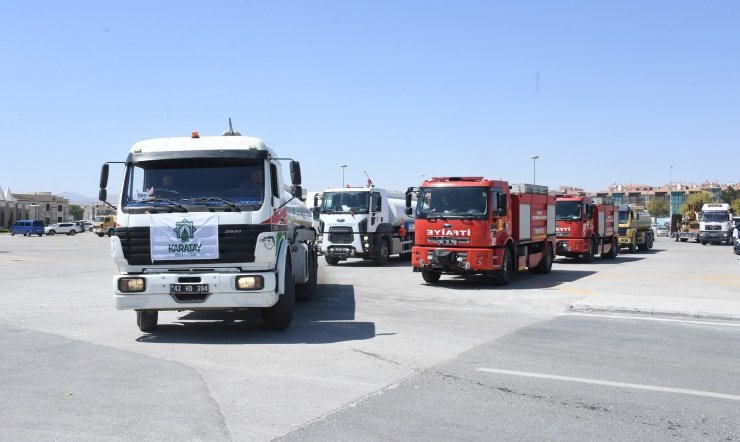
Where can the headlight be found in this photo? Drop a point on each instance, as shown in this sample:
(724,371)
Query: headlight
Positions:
(131,285)
(365,237)
(249,282)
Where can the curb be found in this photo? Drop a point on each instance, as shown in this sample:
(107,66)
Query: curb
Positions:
(656,311)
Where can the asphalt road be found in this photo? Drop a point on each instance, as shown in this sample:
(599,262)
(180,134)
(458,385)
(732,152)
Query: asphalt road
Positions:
(377,355)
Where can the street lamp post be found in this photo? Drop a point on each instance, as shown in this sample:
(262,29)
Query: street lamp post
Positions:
(670,190)
(534,168)
(343,166)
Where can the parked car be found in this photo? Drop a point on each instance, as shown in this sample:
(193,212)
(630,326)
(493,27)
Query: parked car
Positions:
(662,231)
(80,226)
(66,228)
(27,227)
(89,226)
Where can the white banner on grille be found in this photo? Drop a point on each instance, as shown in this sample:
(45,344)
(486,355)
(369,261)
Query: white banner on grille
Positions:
(183,236)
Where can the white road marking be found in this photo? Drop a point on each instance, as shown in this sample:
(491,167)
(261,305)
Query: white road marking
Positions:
(653,318)
(612,384)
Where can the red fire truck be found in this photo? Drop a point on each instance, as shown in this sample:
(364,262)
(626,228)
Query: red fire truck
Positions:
(471,225)
(585,227)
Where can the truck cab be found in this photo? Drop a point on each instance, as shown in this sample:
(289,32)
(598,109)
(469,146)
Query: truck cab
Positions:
(207,223)
(715,224)
(474,226)
(364,222)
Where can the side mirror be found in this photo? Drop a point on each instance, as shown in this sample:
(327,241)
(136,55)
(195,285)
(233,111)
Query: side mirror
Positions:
(295,172)
(104,177)
(315,200)
(409,211)
(298,191)
(102,194)
(408,202)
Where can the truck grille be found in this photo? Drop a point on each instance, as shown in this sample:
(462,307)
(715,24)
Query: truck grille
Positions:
(340,235)
(710,227)
(622,231)
(236,246)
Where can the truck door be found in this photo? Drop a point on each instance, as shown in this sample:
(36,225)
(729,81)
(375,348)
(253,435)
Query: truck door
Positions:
(375,209)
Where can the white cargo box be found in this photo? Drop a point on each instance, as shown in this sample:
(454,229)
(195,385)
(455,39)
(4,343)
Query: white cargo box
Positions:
(529,188)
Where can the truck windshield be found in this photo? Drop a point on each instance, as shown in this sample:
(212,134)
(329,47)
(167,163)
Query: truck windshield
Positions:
(345,202)
(567,210)
(715,217)
(452,201)
(624,217)
(205,182)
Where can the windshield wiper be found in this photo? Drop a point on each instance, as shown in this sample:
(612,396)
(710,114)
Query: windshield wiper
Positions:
(169,202)
(213,198)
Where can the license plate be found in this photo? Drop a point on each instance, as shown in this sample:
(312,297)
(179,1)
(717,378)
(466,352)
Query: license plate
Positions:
(188,288)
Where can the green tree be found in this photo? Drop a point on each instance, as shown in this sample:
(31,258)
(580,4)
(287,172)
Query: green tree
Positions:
(736,207)
(658,208)
(696,200)
(729,195)
(76,211)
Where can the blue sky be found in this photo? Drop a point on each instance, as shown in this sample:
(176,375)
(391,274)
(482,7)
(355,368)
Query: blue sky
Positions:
(603,92)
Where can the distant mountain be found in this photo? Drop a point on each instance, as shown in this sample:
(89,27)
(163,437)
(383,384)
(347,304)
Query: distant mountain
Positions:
(76,198)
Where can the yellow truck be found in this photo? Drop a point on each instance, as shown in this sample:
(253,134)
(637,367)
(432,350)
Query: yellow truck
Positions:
(105,225)
(635,228)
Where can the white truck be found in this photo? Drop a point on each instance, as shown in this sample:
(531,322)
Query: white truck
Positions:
(715,224)
(364,222)
(208,224)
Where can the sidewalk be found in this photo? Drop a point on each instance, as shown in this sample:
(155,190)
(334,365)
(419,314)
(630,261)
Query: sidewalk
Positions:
(674,279)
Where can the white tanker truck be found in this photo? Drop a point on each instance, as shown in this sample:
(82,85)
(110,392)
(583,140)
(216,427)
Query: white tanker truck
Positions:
(208,224)
(364,222)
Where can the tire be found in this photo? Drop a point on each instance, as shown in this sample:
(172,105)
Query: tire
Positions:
(12,233)
(383,255)
(545,265)
(589,256)
(703,243)
(615,249)
(72,232)
(650,242)
(431,276)
(147,320)
(100,234)
(331,260)
(51,233)
(280,315)
(507,268)
(684,239)
(111,232)
(305,292)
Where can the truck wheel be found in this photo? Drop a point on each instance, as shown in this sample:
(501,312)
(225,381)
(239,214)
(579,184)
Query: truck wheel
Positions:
(703,243)
(651,240)
(545,265)
(305,292)
(589,256)
(331,260)
(111,232)
(615,249)
(507,268)
(279,316)
(431,276)
(383,254)
(147,320)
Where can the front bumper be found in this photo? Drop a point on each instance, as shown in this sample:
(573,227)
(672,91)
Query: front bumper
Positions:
(222,294)
(454,260)
(569,246)
(714,236)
